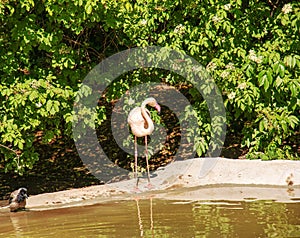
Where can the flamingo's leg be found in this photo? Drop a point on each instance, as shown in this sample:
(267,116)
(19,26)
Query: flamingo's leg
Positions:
(148,173)
(135,162)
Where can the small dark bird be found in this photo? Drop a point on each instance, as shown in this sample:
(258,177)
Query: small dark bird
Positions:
(17,200)
(290,182)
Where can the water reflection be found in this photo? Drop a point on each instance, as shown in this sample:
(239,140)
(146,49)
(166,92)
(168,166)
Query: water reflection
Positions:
(158,218)
(141,220)
(18,221)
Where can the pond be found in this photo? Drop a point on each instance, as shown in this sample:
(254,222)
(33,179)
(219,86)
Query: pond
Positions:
(153,217)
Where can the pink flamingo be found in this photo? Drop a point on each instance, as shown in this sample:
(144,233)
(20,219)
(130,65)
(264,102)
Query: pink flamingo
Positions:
(141,125)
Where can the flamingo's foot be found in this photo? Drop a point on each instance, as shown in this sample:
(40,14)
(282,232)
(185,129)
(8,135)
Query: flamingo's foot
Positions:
(150,186)
(136,189)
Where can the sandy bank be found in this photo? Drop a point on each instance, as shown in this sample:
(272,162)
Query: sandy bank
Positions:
(191,180)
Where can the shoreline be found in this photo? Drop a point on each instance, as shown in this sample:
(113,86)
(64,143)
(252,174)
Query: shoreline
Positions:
(222,179)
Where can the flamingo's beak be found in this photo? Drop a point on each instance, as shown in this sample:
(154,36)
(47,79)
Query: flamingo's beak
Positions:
(157,107)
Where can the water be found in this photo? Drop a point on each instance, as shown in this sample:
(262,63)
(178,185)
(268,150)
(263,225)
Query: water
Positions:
(158,218)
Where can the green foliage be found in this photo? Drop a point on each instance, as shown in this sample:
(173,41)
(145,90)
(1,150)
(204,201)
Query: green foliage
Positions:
(251,48)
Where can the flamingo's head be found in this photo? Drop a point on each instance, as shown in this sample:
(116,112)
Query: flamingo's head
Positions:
(151,102)
(157,107)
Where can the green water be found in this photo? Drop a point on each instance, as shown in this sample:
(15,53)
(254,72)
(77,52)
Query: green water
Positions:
(158,218)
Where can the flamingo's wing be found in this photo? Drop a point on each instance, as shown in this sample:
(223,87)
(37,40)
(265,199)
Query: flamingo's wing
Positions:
(135,117)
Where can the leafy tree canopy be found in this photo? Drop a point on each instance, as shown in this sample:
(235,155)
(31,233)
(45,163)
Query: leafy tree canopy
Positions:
(251,48)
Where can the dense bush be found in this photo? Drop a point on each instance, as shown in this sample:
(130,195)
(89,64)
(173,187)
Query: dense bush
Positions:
(251,48)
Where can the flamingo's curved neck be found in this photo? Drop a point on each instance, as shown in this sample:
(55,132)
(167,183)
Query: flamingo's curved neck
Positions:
(146,115)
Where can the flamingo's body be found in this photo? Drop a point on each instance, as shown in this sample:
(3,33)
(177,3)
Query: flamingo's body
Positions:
(141,125)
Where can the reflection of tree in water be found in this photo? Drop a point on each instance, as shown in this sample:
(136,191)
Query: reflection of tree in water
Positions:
(151,217)
(275,218)
(209,220)
(246,219)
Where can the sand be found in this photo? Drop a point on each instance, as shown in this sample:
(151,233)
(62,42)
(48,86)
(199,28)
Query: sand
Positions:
(200,179)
